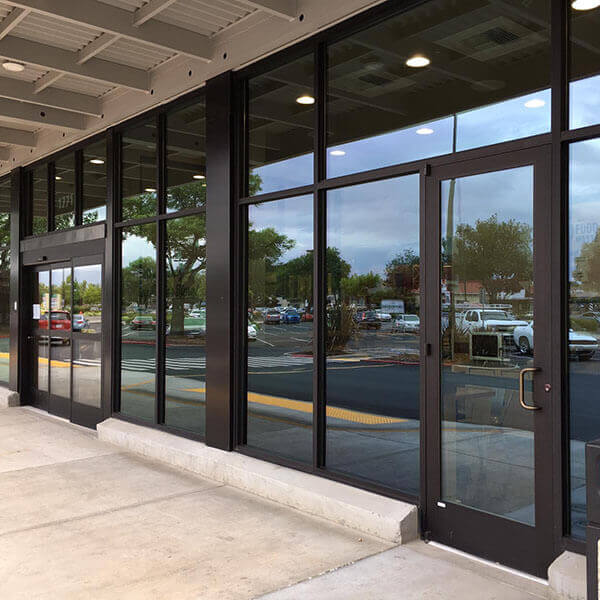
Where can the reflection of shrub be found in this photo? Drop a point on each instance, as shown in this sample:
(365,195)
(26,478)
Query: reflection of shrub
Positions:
(584,324)
(340,327)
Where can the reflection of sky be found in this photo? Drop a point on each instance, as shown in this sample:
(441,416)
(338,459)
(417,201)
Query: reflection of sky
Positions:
(584,196)
(507,194)
(492,124)
(134,247)
(89,273)
(374,222)
(292,217)
(584,100)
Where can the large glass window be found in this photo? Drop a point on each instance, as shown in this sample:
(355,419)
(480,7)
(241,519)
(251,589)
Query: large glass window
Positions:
(39,199)
(584,88)
(4,279)
(138,320)
(138,171)
(584,317)
(185,369)
(373,332)
(64,192)
(280,127)
(280,330)
(94,183)
(440,78)
(186,157)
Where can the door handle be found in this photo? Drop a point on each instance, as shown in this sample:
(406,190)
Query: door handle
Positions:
(522,374)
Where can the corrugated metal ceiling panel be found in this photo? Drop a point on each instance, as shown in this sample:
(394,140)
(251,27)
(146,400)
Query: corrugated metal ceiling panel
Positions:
(135,54)
(83,86)
(54,32)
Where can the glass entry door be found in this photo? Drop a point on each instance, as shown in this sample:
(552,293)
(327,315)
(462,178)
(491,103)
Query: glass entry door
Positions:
(489,441)
(64,340)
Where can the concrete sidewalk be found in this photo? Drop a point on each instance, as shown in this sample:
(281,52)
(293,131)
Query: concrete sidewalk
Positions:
(82,519)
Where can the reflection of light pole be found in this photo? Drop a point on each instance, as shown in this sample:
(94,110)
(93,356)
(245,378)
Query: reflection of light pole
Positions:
(450,244)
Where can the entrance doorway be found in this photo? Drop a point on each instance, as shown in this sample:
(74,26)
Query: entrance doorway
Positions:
(489,443)
(64,339)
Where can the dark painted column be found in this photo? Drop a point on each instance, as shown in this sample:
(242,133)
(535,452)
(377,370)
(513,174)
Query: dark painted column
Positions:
(18,217)
(219,265)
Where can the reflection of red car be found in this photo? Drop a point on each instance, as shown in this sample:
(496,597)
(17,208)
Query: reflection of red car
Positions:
(143,322)
(307,316)
(59,319)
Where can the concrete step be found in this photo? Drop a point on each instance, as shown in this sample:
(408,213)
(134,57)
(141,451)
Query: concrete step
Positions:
(372,514)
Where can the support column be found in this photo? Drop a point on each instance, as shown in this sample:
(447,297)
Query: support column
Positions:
(219,265)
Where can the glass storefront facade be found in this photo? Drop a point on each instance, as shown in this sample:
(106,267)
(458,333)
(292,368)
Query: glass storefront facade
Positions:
(409,196)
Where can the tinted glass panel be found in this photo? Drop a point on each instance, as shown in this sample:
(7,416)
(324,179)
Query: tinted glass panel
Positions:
(42,363)
(373,330)
(87,371)
(444,76)
(60,299)
(94,183)
(64,192)
(186,157)
(185,266)
(138,320)
(138,171)
(39,198)
(584,88)
(4,278)
(60,367)
(280,315)
(280,127)
(487,289)
(87,299)
(584,317)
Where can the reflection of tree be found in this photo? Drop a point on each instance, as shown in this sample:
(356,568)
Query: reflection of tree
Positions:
(139,281)
(4,270)
(86,294)
(360,286)
(587,266)
(497,254)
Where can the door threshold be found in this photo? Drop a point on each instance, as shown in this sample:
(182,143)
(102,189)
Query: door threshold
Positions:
(490,564)
(45,413)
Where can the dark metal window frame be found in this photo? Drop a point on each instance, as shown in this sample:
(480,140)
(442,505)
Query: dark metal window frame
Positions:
(4,180)
(559,137)
(159,116)
(76,150)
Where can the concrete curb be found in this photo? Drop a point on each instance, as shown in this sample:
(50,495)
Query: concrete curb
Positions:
(8,398)
(389,519)
(567,577)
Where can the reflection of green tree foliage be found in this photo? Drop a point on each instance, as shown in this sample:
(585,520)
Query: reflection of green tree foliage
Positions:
(86,294)
(90,217)
(139,281)
(360,286)
(587,266)
(497,254)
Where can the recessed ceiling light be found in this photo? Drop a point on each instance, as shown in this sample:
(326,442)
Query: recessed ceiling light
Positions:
(585,4)
(58,177)
(424,131)
(199,176)
(337,153)
(97,161)
(150,190)
(305,99)
(417,61)
(13,67)
(535,103)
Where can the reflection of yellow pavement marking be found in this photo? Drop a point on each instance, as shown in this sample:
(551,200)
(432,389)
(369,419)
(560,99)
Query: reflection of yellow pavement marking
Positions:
(128,387)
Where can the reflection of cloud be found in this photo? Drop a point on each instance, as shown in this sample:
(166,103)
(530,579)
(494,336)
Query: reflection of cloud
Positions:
(292,217)
(371,223)
(134,247)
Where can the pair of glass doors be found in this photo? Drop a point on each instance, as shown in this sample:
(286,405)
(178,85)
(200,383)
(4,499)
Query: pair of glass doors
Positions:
(64,338)
(485,386)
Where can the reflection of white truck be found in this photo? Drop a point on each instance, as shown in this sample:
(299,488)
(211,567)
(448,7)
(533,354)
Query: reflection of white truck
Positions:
(392,307)
(486,319)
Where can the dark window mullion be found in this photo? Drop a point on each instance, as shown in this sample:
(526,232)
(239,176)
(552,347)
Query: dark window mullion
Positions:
(51,174)
(161,162)
(78,187)
(160,352)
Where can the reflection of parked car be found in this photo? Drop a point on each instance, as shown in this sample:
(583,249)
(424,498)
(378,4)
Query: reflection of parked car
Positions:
(291,315)
(252,332)
(273,316)
(383,316)
(59,319)
(488,320)
(367,320)
(307,315)
(143,322)
(80,322)
(197,313)
(581,345)
(407,324)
